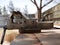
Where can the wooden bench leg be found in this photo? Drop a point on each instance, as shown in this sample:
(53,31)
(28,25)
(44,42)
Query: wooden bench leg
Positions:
(3,35)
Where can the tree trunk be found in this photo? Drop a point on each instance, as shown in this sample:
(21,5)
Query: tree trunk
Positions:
(39,15)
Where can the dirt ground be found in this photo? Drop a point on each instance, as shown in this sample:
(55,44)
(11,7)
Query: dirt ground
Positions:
(10,34)
(47,37)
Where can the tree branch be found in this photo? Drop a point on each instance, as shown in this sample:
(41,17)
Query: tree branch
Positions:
(34,2)
(47,3)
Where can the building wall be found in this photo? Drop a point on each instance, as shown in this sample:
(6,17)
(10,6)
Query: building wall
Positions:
(55,12)
(48,13)
(31,16)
